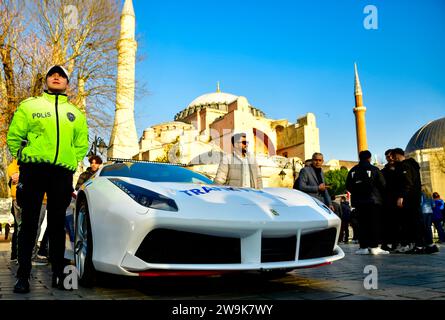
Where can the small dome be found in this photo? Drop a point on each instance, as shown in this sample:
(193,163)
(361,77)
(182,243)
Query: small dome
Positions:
(431,135)
(214,97)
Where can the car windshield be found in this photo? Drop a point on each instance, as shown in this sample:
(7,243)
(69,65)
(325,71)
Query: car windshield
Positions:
(155,172)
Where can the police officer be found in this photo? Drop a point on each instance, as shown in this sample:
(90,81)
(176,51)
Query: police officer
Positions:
(49,136)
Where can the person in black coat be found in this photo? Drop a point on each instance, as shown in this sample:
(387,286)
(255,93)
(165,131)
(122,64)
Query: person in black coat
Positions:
(366,184)
(391,213)
(409,193)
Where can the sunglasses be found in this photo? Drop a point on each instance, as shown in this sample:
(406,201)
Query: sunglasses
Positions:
(244,143)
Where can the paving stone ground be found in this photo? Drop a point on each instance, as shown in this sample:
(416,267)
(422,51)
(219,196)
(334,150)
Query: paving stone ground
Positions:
(400,277)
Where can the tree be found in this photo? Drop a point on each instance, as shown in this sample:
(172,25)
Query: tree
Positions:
(337,181)
(80,34)
(11,27)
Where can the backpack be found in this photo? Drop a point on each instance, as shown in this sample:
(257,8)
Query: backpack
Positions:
(362,182)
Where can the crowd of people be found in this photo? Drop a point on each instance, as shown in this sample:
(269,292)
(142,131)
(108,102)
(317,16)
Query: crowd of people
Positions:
(390,210)
(389,206)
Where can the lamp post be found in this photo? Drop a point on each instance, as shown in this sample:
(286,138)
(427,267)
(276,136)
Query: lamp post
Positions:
(98,143)
(291,164)
(294,166)
(282,174)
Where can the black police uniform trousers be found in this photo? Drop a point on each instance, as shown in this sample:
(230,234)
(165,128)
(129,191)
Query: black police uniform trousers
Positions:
(35,179)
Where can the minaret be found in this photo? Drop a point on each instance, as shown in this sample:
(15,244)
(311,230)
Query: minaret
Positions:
(359,111)
(124,141)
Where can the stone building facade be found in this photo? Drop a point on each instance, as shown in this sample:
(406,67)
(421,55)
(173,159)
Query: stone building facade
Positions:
(202,131)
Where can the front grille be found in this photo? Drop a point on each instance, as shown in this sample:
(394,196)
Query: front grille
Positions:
(317,244)
(171,246)
(278,249)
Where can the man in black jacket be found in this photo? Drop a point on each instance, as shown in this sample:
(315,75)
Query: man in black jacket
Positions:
(408,191)
(366,184)
(390,220)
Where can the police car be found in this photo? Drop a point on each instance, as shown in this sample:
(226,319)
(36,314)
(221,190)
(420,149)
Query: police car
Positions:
(152,219)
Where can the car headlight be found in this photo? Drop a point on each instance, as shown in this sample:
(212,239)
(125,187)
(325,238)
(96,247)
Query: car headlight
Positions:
(145,197)
(323,206)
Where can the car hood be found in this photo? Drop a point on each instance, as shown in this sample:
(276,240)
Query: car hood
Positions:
(190,194)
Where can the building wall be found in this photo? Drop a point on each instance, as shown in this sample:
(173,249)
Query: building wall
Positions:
(290,152)
(222,131)
(311,137)
(432,168)
(437,172)
(152,154)
(246,122)
(208,116)
(301,139)
(192,119)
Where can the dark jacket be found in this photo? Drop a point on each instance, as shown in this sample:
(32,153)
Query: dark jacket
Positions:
(389,173)
(408,184)
(308,183)
(337,209)
(376,183)
(346,211)
(438,209)
(84,176)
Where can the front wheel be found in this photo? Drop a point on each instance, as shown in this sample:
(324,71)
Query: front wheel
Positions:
(83,246)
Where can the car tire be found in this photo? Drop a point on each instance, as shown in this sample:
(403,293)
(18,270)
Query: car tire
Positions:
(83,246)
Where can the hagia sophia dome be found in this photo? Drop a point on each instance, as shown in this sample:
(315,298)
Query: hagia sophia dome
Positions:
(215,100)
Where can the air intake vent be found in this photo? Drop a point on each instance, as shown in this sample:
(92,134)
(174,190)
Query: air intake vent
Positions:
(278,249)
(171,246)
(317,244)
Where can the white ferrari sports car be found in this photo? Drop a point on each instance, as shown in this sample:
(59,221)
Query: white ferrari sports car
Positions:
(149,219)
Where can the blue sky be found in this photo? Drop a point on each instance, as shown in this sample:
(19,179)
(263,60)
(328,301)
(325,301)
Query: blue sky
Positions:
(293,57)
